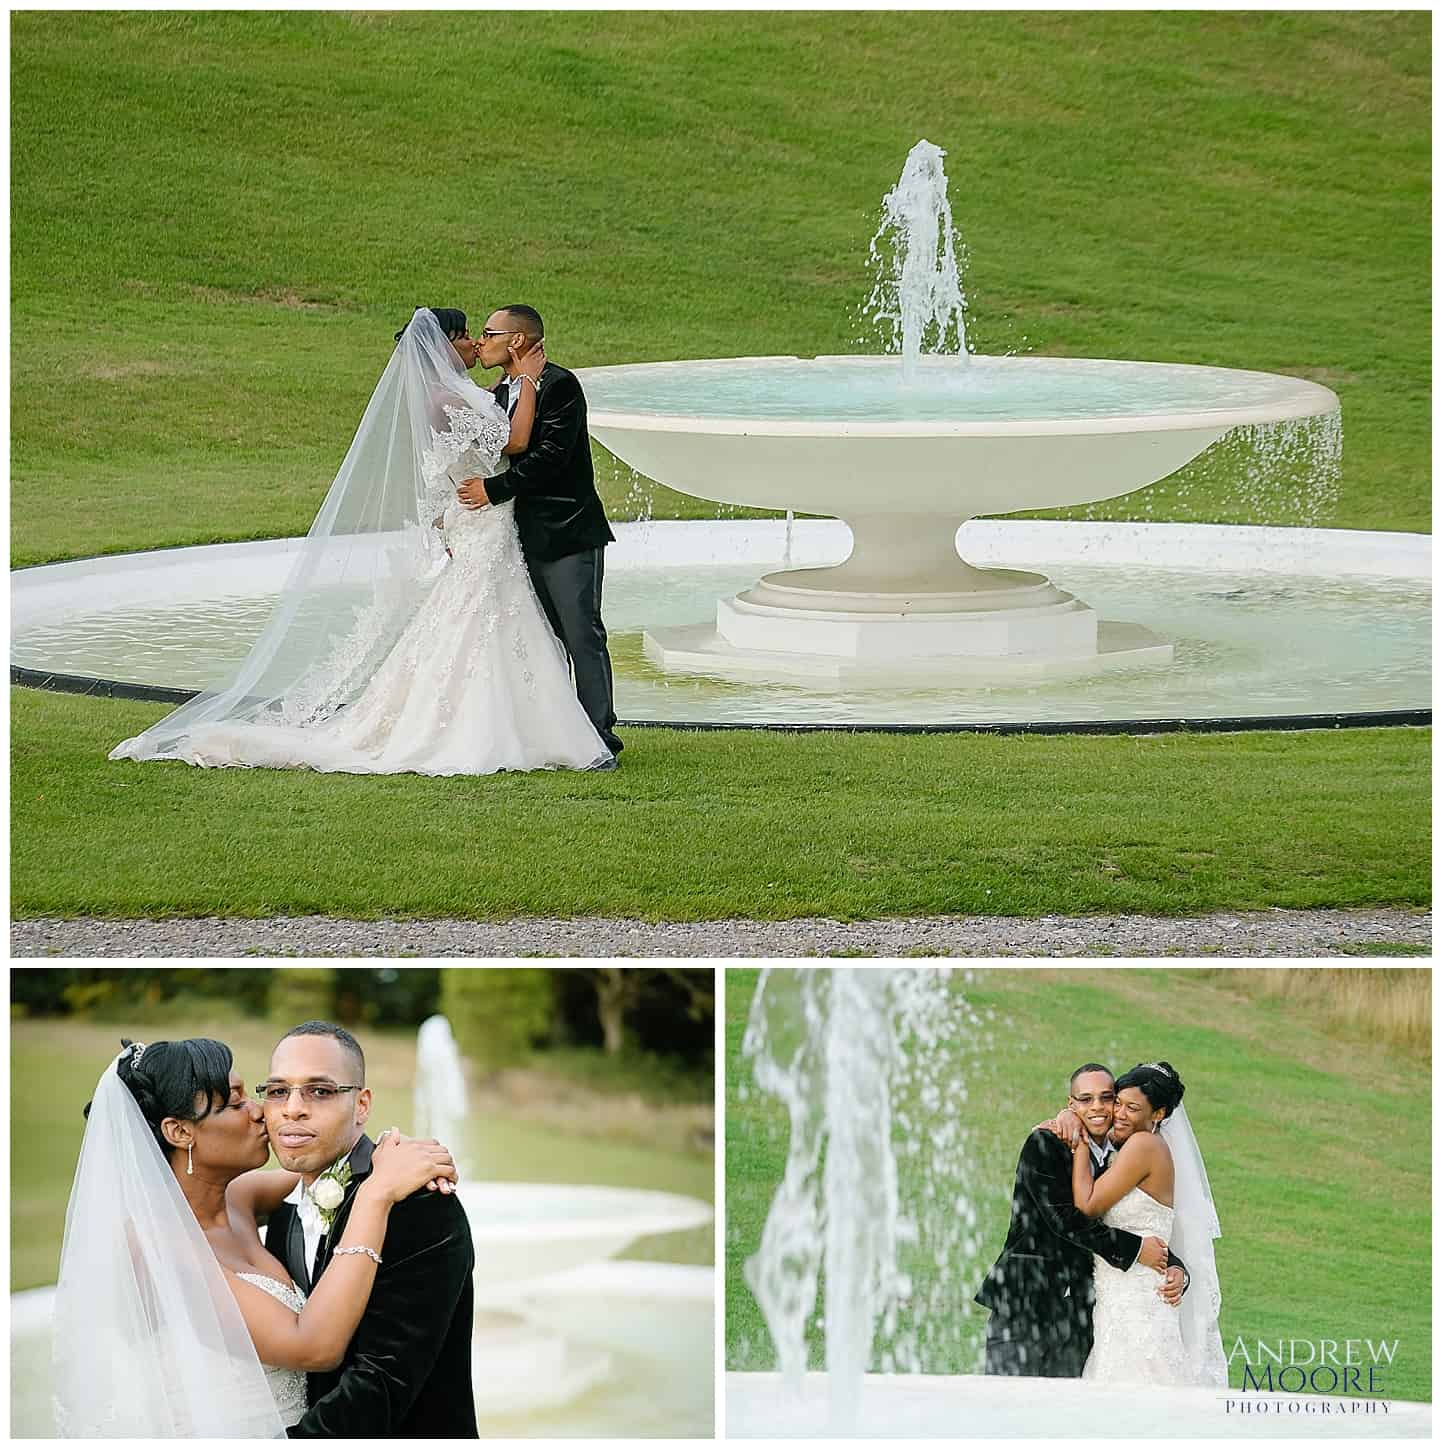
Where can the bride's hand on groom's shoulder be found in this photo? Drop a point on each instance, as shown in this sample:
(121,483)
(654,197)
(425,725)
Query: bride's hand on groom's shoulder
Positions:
(1066,1125)
(402,1165)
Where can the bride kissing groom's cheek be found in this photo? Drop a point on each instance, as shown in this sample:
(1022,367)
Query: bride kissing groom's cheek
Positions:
(204,1296)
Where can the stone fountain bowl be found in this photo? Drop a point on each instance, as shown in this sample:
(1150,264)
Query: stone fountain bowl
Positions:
(524,1231)
(847,436)
(904,458)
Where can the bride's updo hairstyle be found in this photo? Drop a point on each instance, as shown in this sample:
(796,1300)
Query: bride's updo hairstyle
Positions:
(167,1078)
(451,319)
(1158,1082)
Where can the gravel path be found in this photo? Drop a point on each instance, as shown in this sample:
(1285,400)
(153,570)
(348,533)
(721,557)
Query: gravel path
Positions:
(1236,934)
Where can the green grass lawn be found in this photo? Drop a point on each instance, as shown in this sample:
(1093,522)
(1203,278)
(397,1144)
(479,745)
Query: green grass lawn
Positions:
(711,825)
(1317,1146)
(218,220)
(54,1066)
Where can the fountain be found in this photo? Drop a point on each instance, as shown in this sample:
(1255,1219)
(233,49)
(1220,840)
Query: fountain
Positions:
(440,1089)
(905,450)
(568,1341)
(854,1056)
(877,622)
(871,1067)
(534,1243)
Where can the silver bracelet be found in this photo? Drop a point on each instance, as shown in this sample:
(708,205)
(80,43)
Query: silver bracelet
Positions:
(369,1252)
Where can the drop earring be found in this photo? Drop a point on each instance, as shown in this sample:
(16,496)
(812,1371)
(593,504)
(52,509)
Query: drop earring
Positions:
(189,1160)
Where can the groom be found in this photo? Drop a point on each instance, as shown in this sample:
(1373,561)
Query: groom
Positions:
(407,1371)
(1040,1289)
(559,516)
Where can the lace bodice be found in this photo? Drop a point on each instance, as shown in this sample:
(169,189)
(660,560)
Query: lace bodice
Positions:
(469,448)
(1140,1214)
(1136,1337)
(287,1386)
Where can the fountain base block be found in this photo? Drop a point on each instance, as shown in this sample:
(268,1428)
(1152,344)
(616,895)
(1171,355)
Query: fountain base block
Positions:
(943,1406)
(1047,634)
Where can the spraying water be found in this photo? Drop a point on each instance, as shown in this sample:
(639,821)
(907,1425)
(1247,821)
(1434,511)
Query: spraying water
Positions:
(440,1090)
(864,1063)
(917,289)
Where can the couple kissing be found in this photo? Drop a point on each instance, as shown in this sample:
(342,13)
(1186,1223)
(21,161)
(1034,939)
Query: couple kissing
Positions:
(443,614)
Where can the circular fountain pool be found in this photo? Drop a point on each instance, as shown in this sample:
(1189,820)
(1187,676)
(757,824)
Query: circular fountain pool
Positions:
(1279,625)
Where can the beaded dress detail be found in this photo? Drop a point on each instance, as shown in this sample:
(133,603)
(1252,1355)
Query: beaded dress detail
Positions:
(1136,1337)
(287,1386)
(478,682)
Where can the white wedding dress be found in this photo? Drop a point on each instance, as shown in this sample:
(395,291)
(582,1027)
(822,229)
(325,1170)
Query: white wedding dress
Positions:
(287,1386)
(1136,1337)
(478,681)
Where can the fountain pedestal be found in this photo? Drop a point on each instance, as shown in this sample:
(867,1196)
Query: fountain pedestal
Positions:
(905,605)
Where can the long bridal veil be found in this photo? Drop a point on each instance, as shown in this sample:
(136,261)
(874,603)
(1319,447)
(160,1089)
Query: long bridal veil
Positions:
(149,1342)
(367,563)
(1194,1228)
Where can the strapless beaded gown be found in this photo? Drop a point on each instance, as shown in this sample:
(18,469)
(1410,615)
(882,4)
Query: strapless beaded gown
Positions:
(477,683)
(287,1386)
(1136,1337)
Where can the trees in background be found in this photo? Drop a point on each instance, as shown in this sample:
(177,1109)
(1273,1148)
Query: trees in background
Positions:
(637,1005)
(500,1015)
(301,993)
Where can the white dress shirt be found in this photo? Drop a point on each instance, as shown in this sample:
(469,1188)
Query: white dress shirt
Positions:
(1102,1152)
(311,1222)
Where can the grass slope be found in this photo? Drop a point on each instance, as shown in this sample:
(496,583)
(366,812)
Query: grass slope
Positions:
(54,1066)
(699,826)
(219,219)
(1317,1147)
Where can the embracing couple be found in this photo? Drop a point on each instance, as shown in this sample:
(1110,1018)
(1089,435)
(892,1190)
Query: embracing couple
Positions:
(1092,1282)
(174,1318)
(443,615)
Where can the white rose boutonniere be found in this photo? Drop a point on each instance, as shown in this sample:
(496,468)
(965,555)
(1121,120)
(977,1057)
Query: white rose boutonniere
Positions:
(327,1192)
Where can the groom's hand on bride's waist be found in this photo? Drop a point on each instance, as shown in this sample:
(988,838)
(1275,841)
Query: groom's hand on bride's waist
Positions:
(1173,1286)
(1153,1255)
(472,493)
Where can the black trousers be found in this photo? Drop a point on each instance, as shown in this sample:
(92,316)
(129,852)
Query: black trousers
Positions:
(570,592)
(1034,1357)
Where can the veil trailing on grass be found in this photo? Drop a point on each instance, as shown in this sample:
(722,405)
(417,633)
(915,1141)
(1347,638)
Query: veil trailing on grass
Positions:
(1194,1227)
(368,561)
(149,1342)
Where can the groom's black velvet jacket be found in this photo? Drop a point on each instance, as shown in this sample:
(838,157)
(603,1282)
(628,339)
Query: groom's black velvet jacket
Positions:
(558,511)
(407,1371)
(1040,1288)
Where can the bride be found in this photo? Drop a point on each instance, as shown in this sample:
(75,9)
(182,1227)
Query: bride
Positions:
(1156,1186)
(172,1320)
(408,637)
